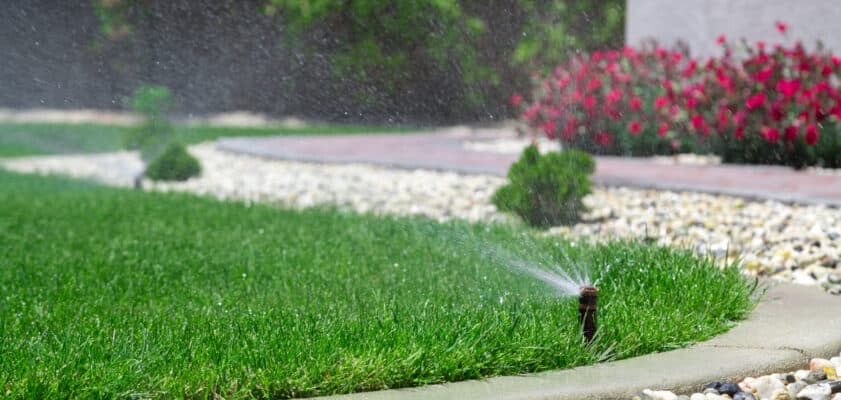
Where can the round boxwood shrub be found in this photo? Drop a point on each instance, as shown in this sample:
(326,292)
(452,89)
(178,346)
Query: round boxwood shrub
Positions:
(173,164)
(547,190)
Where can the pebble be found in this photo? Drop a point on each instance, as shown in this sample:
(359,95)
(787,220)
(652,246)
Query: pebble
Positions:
(728,388)
(766,386)
(815,376)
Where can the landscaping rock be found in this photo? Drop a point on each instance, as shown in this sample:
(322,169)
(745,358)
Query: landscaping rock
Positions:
(818,364)
(766,386)
(815,376)
(728,388)
(743,396)
(815,392)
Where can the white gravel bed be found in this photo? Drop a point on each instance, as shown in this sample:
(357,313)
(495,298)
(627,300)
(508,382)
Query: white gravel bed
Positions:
(362,188)
(801,244)
(819,382)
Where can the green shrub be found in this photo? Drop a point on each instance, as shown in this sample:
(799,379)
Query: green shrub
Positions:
(152,136)
(173,164)
(547,190)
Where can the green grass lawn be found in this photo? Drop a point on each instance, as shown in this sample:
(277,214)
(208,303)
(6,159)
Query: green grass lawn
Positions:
(40,139)
(107,292)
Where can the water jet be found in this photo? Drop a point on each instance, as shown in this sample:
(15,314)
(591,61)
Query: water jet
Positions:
(587,305)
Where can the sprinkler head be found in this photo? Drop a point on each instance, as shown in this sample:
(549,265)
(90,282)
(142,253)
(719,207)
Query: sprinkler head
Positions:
(587,304)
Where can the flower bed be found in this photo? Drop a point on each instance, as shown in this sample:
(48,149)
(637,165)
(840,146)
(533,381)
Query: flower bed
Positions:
(753,104)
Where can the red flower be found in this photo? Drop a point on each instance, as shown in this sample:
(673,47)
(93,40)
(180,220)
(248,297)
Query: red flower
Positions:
(826,70)
(739,118)
(562,83)
(690,69)
(760,45)
(776,112)
(660,102)
(589,103)
(548,128)
(663,130)
(788,87)
(594,84)
(723,116)
(811,135)
(755,101)
(790,133)
(613,96)
(697,122)
(739,133)
(772,135)
(763,74)
(516,99)
(603,138)
(531,112)
(782,27)
(635,127)
(691,102)
(635,103)
(721,39)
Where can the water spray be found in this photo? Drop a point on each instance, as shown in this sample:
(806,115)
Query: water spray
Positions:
(588,301)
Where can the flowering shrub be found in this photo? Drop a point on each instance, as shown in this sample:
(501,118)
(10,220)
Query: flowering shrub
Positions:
(752,105)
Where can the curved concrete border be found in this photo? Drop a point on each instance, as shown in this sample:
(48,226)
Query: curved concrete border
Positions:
(790,326)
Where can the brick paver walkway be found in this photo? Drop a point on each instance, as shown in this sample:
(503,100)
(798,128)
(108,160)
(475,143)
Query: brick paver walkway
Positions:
(444,151)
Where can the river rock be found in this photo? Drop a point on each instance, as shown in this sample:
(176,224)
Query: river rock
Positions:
(801,374)
(697,396)
(743,396)
(819,391)
(795,388)
(819,364)
(766,386)
(781,394)
(815,376)
(728,388)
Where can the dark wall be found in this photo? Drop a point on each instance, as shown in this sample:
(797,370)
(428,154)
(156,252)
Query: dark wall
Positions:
(215,55)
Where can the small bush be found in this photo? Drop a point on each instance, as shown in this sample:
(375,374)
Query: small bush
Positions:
(547,190)
(151,137)
(173,164)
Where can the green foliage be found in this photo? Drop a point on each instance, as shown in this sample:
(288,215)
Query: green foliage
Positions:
(173,164)
(156,132)
(386,40)
(152,101)
(547,190)
(113,24)
(557,28)
(111,293)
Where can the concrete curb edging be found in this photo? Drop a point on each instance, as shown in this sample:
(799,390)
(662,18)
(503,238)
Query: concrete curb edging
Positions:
(767,342)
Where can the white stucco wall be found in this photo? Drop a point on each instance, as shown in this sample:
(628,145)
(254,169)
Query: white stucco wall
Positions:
(699,22)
